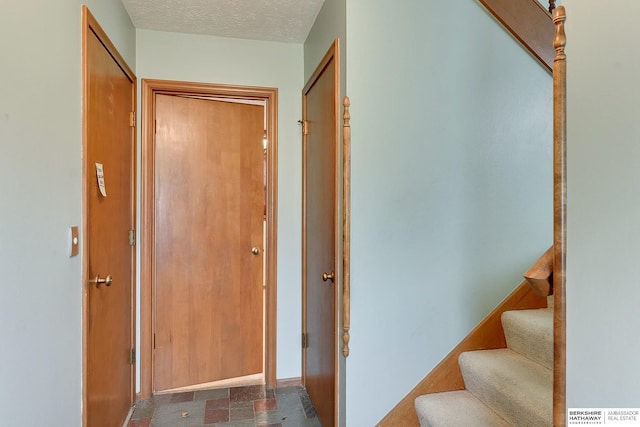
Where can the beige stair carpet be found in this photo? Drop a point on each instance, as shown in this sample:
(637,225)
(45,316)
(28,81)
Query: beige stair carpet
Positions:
(456,409)
(530,333)
(504,387)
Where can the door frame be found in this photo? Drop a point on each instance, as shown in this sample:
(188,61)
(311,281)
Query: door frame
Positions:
(90,25)
(333,53)
(150,88)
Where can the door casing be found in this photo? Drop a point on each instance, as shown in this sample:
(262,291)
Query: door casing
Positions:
(150,88)
(91,26)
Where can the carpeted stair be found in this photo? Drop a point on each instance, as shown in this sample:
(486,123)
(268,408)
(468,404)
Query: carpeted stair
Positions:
(511,386)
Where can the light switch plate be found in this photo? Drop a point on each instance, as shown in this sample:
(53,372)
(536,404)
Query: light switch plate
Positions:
(74,242)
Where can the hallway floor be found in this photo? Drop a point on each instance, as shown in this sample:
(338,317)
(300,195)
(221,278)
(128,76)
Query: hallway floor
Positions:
(249,406)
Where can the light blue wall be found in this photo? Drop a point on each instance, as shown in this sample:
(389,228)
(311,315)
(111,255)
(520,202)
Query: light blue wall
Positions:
(188,57)
(329,25)
(603,203)
(451,163)
(40,197)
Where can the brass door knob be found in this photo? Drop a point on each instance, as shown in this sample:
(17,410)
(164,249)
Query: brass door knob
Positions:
(255,250)
(328,276)
(100,281)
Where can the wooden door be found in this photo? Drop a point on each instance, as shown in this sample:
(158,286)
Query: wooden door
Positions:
(320,111)
(209,217)
(109,215)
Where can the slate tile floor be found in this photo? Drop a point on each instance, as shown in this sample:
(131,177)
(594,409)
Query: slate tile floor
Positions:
(249,406)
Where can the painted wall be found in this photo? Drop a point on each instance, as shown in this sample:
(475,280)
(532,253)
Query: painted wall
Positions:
(40,198)
(603,203)
(329,25)
(452,176)
(174,56)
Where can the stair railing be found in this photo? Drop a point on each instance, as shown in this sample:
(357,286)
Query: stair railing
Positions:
(346,226)
(540,275)
(559,217)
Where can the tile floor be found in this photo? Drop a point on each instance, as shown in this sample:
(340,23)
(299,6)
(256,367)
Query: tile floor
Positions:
(249,406)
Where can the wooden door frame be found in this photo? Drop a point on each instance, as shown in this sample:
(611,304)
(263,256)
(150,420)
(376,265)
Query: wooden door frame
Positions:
(90,25)
(150,88)
(333,53)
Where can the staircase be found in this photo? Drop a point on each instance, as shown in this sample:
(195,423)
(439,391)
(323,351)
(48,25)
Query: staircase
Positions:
(510,386)
(511,369)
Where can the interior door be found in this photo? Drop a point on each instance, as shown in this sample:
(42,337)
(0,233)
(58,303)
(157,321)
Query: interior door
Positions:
(320,122)
(109,216)
(208,250)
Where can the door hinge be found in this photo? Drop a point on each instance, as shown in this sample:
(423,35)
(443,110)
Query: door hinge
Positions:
(305,126)
(132,237)
(132,119)
(305,340)
(133,356)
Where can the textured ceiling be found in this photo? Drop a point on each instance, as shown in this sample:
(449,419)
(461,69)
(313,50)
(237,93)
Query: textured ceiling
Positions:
(286,21)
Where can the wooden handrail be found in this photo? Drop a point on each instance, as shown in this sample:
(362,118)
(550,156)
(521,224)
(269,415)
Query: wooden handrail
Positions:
(346,226)
(559,217)
(540,275)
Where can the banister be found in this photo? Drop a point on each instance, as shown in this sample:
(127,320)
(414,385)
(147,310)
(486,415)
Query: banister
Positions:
(540,275)
(346,226)
(559,218)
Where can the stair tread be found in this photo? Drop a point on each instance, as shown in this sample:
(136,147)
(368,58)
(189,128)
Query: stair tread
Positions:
(530,333)
(455,409)
(517,388)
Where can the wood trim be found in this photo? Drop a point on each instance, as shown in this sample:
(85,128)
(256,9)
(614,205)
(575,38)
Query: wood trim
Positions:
(90,25)
(346,226)
(529,23)
(147,223)
(540,275)
(335,48)
(270,95)
(289,382)
(446,376)
(303,246)
(559,218)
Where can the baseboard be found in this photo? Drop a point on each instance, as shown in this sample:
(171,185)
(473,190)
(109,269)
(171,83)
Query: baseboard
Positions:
(129,415)
(446,376)
(288,382)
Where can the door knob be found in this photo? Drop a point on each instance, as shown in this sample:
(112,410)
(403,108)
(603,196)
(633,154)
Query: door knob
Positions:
(255,250)
(328,276)
(100,281)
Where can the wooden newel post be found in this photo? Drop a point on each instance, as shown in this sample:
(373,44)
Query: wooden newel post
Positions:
(346,226)
(559,217)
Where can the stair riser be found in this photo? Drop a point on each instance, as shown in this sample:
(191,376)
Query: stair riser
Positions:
(517,389)
(530,333)
(455,409)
